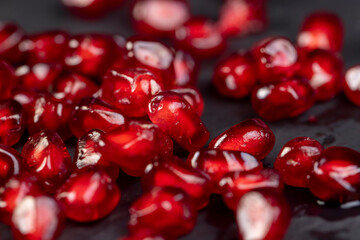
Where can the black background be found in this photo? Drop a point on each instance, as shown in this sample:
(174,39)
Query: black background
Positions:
(338,119)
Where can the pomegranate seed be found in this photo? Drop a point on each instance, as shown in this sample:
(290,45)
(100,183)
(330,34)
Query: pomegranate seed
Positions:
(160,17)
(12,122)
(93,113)
(37,217)
(286,99)
(186,69)
(130,90)
(240,17)
(352,84)
(193,97)
(10,163)
(25,97)
(275,58)
(216,163)
(90,9)
(88,154)
(336,177)
(39,76)
(8,80)
(172,209)
(133,146)
(252,136)
(235,76)
(321,30)
(262,215)
(296,160)
(175,116)
(88,196)
(324,71)
(176,173)
(47,158)
(47,47)
(10,37)
(201,38)
(73,87)
(235,184)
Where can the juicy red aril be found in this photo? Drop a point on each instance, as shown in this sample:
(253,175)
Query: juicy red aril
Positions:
(92,8)
(296,160)
(93,113)
(134,145)
(47,47)
(88,154)
(200,37)
(324,71)
(186,69)
(10,163)
(12,122)
(321,30)
(39,76)
(239,17)
(286,99)
(88,196)
(175,116)
(160,17)
(171,214)
(262,214)
(73,87)
(235,76)
(37,217)
(7,79)
(352,84)
(176,173)
(10,37)
(89,54)
(336,175)
(252,136)
(193,97)
(130,90)
(216,163)
(25,97)
(275,58)
(47,158)
(235,184)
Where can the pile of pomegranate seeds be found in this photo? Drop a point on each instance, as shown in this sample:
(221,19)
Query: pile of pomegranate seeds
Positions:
(131,102)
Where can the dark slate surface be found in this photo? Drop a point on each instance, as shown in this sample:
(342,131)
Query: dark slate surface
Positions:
(338,120)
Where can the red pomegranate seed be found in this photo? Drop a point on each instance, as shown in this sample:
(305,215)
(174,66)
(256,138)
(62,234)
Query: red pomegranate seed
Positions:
(39,76)
(175,116)
(252,136)
(352,84)
(216,163)
(46,47)
(10,37)
(12,122)
(89,54)
(235,76)
(201,38)
(186,69)
(286,99)
(324,71)
(321,30)
(235,184)
(8,80)
(133,146)
(93,113)
(48,113)
(336,175)
(88,196)
(130,90)
(193,97)
(88,154)
(176,173)
(10,163)
(275,58)
(37,217)
(160,17)
(25,97)
(72,87)
(263,215)
(240,17)
(172,209)
(13,191)
(296,160)
(47,158)
(91,9)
